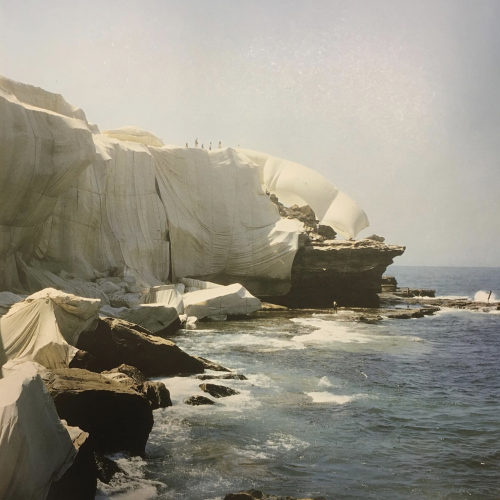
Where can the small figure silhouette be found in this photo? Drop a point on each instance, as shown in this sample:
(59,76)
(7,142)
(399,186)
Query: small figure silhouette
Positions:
(489,295)
(210,147)
(187,145)
(203,146)
(196,143)
(335,307)
(220,145)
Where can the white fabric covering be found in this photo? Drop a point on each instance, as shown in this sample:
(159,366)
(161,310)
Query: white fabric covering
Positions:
(76,205)
(220,301)
(35,448)
(170,295)
(153,317)
(44,328)
(293,184)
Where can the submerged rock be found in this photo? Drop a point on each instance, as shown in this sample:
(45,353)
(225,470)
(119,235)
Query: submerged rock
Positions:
(198,401)
(229,376)
(115,342)
(106,468)
(218,391)
(117,417)
(258,495)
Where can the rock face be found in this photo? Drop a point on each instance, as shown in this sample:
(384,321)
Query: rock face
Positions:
(210,365)
(258,495)
(348,272)
(156,392)
(218,391)
(116,416)
(115,342)
(199,401)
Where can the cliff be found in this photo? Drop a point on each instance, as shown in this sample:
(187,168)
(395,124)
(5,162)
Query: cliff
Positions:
(349,272)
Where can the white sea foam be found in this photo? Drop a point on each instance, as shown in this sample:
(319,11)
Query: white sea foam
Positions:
(328,331)
(130,485)
(482,296)
(327,397)
(324,382)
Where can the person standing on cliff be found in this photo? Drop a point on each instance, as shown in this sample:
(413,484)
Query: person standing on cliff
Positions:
(489,295)
(335,307)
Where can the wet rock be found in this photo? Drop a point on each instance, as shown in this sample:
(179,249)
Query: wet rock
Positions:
(258,495)
(156,392)
(198,401)
(106,468)
(210,365)
(218,391)
(115,342)
(116,416)
(230,376)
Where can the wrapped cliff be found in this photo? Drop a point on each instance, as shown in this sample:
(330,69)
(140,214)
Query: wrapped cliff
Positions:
(83,211)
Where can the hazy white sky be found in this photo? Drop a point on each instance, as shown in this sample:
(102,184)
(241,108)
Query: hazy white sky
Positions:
(396,102)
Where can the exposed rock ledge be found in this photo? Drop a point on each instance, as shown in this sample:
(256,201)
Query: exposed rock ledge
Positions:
(349,272)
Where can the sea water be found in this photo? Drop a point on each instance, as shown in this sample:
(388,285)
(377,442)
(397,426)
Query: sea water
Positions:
(395,409)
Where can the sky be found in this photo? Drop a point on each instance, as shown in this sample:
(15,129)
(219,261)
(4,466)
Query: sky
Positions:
(396,102)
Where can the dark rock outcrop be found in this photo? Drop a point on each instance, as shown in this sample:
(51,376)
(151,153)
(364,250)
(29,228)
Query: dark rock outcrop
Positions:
(156,392)
(115,342)
(218,391)
(229,376)
(210,365)
(258,495)
(349,272)
(198,401)
(117,417)
(106,468)
(84,360)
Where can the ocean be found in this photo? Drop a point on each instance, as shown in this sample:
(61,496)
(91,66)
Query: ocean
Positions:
(392,409)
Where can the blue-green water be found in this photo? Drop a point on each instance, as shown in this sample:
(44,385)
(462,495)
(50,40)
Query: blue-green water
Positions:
(340,409)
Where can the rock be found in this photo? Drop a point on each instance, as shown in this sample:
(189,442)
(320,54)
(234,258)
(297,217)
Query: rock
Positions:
(116,416)
(115,342)
(156,392)
(327,232)
(258,495)
(198,401)
(131,371)
(106,468)
(230,376)
(218,391)
(348,272)
(210,365)
(79,482)
(375,237)
(83,360)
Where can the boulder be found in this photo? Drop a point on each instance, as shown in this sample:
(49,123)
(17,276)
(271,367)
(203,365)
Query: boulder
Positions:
(117,417)
(229,376)
(106,468)
(115,342)
(198,401)
(218,391)
(156,392)
(210,365)
(258,495)
(327,232)
(83,360)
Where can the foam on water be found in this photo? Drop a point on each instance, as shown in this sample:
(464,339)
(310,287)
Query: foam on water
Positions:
(131,484)
(328,331)
(327,397)
(482,296)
